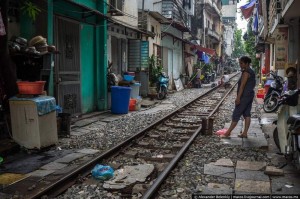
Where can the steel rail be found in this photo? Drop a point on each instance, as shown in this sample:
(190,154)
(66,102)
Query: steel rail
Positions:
(67,180)
(155,186)
(151,191)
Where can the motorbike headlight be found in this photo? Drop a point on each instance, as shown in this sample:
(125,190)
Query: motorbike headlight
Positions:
(273,84)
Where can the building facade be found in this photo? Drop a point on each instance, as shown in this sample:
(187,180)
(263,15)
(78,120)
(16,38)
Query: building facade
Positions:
(229,10)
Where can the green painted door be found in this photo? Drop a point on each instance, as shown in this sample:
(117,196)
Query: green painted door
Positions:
(88,68)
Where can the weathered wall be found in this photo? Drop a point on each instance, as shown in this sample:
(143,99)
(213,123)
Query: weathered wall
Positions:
(131,10)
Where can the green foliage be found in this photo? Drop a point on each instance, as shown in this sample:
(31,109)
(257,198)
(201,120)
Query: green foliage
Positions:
(155,69)
(239,49)
(207,68)
(250,48)
(30,9)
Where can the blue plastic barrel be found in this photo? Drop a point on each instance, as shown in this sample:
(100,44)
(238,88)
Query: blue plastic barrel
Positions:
(120,97)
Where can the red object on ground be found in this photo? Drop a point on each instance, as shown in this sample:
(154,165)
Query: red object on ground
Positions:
(132,104)
(260,93)
(31,88)
(221,131)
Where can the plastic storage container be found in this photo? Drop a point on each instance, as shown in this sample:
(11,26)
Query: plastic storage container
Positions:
(128,78)
(120,97)
(260,93)
(135,92)
(31,88)
(132,104)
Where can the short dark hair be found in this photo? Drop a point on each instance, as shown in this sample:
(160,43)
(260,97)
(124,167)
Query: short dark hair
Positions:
(245,59)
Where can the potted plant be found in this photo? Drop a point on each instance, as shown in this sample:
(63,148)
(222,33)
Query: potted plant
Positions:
(154,70)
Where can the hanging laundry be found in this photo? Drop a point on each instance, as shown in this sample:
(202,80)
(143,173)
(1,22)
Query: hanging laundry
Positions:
(2,27)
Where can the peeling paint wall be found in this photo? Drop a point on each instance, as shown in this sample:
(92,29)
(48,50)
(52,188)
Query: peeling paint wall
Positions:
(130,10)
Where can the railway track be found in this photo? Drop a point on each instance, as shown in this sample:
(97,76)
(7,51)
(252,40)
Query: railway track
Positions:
(152,153)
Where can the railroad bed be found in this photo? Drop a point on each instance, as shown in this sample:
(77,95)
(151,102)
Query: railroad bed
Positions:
(143,161)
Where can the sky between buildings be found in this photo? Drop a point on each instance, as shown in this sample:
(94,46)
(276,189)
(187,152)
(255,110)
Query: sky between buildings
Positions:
(242,24)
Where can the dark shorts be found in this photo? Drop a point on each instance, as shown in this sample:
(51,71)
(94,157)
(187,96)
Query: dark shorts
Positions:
(244,108)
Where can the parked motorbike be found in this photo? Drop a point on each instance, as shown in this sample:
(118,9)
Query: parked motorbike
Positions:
(206,78)
(162,86)
(292,142)
(288,97)
(273,94)
(276,85)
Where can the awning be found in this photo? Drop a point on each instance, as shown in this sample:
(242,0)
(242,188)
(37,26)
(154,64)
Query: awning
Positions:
(114,21)
(178,25)
(160,18)
(175,38)
(87,9)
(209,51)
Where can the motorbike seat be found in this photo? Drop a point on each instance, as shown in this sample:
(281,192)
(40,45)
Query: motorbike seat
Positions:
(294,119)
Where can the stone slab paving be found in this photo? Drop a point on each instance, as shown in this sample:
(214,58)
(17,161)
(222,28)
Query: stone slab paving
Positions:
(251,175)
(111,118)
(41,173)
(273,171)
(224,162)
(255,142)
(251,165)
(225,172)
(251,186)
(88,151)
(147,103)
(53,166)
(128,176)
(65,170)
(69,158)
(79,132)
(99,124)
(233,141)
(85,122)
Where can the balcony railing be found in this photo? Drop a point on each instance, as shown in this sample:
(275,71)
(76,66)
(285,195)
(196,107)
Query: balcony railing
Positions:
(212,4)
(213,34)
(217,10)
(274,13)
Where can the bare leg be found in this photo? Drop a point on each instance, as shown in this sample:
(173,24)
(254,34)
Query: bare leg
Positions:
(247,125)
(232,126)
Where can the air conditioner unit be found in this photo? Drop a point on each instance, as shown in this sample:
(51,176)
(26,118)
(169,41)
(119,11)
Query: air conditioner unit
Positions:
(116,7)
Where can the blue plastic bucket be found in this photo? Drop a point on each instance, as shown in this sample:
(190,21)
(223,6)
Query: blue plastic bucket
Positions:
(120,97)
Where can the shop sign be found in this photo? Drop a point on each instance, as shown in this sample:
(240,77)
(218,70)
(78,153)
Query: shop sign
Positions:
(281,48)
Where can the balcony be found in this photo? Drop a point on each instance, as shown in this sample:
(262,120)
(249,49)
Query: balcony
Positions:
(217,10)
(173,11)
(212,6)
(290,8)
(213,34)
(275,15)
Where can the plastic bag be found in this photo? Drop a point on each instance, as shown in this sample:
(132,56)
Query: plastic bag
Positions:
(221,131)
(102,172)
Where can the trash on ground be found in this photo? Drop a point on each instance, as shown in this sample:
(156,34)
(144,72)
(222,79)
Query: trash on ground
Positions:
(102,172)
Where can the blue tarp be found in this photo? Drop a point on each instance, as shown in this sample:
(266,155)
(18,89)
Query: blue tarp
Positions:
(205,58)
(45,104)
